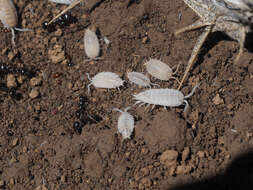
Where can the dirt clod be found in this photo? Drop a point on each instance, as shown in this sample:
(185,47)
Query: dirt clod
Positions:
(185,153)
(2,183)
(35,81)
(217,100)
(14,142)
(34,93)
(56,54)
(169,158)
(11,81)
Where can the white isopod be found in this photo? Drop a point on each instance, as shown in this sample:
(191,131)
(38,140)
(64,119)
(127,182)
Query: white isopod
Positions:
(91,44)
(164,97)
(9,17)
(67,2)
(160,70)
(125,123)
(139,79)
(105,80)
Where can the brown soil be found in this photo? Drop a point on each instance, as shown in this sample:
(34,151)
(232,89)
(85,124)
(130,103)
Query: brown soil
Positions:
(40,148)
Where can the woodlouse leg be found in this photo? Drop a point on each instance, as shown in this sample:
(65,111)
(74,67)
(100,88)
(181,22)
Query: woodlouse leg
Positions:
(177,67)
(13,37)
(142,104)
(186,106)
(89,87)
(88,76)
(175,79)
(147,107)
(127,108)
(137,103)
(87,60)
(154,85)
(193,26)
(241,42)
(72,5)
(152,107)
(195,51)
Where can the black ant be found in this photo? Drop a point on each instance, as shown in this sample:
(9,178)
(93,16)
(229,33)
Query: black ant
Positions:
(62,21)
(6,69)
(83,115)
(12,92)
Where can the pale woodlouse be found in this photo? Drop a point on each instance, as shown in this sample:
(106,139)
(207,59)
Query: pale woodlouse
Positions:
(164,97)
(9,17)
(125,123)
(139,79)
(105,80)
(160,70)
(91,44)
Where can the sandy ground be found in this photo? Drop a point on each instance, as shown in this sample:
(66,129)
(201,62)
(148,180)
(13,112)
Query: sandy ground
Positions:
(40,148)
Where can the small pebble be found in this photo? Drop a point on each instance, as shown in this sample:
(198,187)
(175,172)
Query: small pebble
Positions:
(2,183)
(11,81)
(58,32)
(217,100)
(21,79)
(41,187)
(11,55)
(34,94)
(12,181)
(185,153)
(14,142)
(63,178)
(35,81)
(12,160)
(169,158)
(56,54)
(201,154)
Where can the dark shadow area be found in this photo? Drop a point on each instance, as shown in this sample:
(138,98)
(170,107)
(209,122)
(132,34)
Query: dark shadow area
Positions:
(238,176)
(212,40)
(249,42)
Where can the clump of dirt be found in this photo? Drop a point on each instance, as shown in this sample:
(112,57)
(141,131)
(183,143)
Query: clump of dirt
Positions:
(165,130)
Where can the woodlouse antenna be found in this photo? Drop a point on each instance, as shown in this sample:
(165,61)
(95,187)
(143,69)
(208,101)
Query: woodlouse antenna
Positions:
(193,90)
(127,108)
(13,33)
(117,109)
(23,29)
(175,79)
(88,76)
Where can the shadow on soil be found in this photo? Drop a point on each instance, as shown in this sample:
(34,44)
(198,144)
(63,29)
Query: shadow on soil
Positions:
(214,38)
(239,175)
